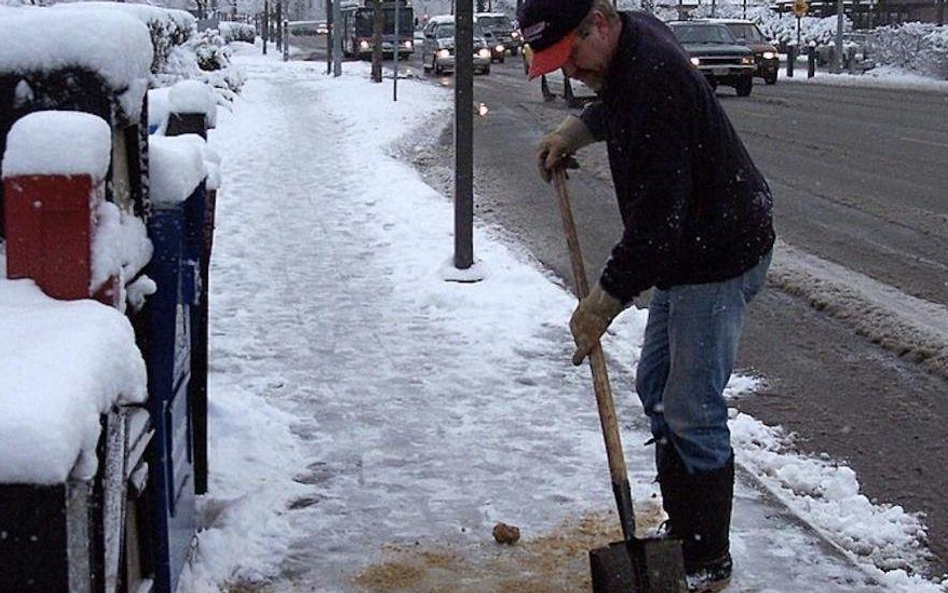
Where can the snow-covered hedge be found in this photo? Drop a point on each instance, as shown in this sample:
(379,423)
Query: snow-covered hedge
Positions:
(919,47)
(204,57)
(113,45)
(231,31)
(168,28)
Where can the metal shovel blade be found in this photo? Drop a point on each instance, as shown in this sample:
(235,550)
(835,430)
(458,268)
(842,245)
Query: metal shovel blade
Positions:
(651,565)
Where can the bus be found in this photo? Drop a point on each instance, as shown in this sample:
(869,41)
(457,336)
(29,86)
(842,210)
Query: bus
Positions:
(357,20)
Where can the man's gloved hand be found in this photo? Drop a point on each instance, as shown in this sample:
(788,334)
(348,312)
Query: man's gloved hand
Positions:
(571,135)
(590,320)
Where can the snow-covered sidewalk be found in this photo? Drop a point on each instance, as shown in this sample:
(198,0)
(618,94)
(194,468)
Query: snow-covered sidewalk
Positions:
(370,422)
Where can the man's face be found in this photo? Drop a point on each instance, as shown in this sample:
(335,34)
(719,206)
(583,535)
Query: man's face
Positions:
(591,54)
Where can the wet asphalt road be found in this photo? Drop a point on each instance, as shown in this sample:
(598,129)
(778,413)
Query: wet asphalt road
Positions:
(860,177)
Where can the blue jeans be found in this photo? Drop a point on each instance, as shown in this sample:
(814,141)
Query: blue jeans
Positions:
(690,344)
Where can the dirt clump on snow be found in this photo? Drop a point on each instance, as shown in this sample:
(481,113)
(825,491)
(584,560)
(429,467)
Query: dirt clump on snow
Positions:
(506,534)
(555,562)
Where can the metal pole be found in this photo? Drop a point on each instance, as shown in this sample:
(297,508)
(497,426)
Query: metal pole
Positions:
(744,10)
(464,135)
(811,60)
(798,30)
(681,9)
(395,56)
(337,39)
(791,58)
(286,41)
(266,25)
(838,66)
(330,35)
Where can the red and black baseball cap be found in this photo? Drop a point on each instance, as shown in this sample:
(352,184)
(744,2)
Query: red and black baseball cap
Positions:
(548,26)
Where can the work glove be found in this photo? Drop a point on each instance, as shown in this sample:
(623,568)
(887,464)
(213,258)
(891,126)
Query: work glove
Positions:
(590,319)
(571,135)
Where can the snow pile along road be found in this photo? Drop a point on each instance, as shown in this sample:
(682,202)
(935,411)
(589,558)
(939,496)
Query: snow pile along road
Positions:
(361,404)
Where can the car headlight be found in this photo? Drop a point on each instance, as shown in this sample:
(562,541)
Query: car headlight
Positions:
(499,48)
(484,53)
(407,45)
(363,44)
(444,53)
(769,55)
(747,60)
(696,61)
(515,35)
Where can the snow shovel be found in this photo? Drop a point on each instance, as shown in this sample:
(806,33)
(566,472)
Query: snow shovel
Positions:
(634,565)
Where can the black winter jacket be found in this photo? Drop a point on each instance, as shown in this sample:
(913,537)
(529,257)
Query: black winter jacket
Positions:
(694,205)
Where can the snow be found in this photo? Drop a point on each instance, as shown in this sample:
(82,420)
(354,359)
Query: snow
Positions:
(176,168)
(120,246)
(906,324)
(35,145)
(159,107)
(192,96)
(63,364)
(890,77)
(108,42)
(142,12)
(390,406)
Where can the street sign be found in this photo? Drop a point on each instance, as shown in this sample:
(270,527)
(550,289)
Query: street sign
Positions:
(800,8)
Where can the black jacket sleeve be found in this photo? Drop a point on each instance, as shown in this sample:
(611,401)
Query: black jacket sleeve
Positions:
(657,157)
(594,119)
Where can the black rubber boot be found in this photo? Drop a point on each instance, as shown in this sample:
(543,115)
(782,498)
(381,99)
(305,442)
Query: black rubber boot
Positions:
(699,514)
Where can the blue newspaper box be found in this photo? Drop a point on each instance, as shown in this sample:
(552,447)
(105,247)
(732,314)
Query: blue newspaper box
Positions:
(176,232)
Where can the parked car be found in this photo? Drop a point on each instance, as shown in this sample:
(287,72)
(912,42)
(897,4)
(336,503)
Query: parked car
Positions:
(499,32)
(437,51)
(765,53)
(717,54)
(322,28)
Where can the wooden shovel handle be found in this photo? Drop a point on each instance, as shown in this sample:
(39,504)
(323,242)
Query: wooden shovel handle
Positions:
(597,362)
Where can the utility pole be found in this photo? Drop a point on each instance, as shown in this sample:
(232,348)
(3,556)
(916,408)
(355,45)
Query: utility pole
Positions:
(940,14)
(395,55)
(838,66)
(337,38)
(464,135)
(279,21)
(376,40)
(266,25)
(330,34)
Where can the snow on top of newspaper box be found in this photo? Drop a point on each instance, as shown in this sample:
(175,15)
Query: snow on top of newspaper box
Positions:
(67,363)
(142,12)
(175,167)
(192,96)
(113,44)
(35,145)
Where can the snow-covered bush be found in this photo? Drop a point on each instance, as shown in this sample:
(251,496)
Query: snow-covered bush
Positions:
(204,57)
(211,50)
(919,47)
(232,31)
(168,28)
